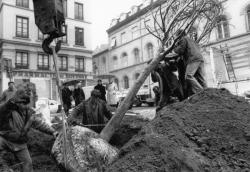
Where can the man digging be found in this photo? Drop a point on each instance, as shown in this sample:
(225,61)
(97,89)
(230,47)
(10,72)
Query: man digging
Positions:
(16,118)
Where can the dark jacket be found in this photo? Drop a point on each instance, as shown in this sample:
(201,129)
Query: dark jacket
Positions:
(189,50)
(91,113)
(7,94)
(102,89)
(66,96)
(14,124)
(78,96)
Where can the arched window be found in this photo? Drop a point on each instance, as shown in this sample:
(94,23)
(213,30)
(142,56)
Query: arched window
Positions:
(136,55)
(126,82)
(117,82)
(193,33)
(223,27)
(104,60)
(124,60)
(137,76)
(115,62)
(150,51)
(248,17)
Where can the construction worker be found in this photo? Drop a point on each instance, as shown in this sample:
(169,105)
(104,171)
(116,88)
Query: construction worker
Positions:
(7,94)
(190,51)
(16,118)
(91,113)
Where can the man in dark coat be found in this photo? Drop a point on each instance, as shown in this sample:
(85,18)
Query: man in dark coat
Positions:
(91,112)
(66,98)
(195,72)
(7,94)
(102,89)
(78,94)
(16,118)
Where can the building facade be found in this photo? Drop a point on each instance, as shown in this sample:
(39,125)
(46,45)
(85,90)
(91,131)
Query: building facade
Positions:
(226,55)
(130,46)
(20,46)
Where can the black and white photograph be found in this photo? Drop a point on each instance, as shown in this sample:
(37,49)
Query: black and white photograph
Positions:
(124,86)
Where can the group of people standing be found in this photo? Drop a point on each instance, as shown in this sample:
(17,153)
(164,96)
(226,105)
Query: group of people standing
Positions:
(67,96)
(78,94)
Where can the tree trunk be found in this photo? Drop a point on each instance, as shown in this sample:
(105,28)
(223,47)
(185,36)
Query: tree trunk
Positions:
(115,121)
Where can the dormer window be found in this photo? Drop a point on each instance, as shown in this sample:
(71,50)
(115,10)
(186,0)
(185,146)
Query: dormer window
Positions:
(134,10)
(146,3)
(123,16)
(113,42)
(114,22)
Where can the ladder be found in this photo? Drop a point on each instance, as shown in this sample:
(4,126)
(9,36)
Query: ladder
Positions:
(230,70)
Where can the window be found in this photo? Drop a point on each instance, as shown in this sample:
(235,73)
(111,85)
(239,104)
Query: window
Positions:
(64,38)
(63,63)
(123,38)
(113,42)
(65,8)
(135,32)
(147,23)
(115,62)
(150,51)
(136,55)
(124,60)
(193,33)
(79,63)
(43,62)
(22,3)
(248,17)
(117,82)
(79,36)
(223,27)
(78,11)
(22,27)
(104,60)
(22,60)
(126,82)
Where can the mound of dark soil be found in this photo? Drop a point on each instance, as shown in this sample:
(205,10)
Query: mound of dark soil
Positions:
(210,132)
(39,146)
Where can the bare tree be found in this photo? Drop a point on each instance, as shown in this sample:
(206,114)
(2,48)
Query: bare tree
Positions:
(168,16)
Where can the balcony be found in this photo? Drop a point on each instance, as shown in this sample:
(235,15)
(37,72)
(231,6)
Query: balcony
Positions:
(79,70)
(21,66)
(40,67)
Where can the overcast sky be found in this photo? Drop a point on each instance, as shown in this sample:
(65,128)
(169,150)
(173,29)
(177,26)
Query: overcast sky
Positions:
(103,12)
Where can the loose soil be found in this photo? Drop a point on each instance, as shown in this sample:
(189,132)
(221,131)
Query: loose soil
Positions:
(210,132)
(40,145)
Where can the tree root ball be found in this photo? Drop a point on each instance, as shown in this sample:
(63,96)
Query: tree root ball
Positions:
(86,151)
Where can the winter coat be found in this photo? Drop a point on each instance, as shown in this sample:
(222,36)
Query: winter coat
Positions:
(15,124)
(78,96)
(92,113)
(66,96)
(189,50)
(102,90)
(7,94)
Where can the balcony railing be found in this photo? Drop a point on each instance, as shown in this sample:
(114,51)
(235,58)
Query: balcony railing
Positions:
(21,66)
(40,67)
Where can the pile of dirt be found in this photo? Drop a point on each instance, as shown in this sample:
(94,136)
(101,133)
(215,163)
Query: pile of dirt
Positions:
(39,146)
(210,132)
